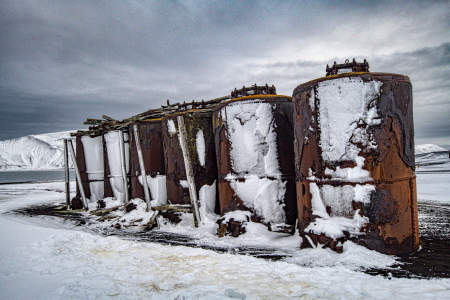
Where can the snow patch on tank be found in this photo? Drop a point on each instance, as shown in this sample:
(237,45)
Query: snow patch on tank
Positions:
(157,187)
(343,218)
(93,154)
(201,148)
(207,198)
(263,195)
(251,132)
(114,152)
(171,127)
(347,108)
(254,156)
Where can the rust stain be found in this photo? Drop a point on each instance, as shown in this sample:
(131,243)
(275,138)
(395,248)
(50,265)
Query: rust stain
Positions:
(150,136)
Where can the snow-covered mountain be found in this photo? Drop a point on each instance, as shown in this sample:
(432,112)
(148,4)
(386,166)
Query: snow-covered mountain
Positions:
(31,152)
(428,148)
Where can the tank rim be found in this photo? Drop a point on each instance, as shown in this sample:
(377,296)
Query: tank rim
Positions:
(148,121)
(352,74)
(284,98)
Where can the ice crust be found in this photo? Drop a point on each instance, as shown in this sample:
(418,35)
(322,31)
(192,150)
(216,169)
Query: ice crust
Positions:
(201,148)
(93,154)
(114,153)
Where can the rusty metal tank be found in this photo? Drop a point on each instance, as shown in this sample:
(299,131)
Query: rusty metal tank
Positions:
(115,156)
(354,161)
(201,153)
(108,192)
(80,161)
(254,151)
(150,138)
(89,158)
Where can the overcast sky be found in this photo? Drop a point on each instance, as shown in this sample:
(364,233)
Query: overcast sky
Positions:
(64,61)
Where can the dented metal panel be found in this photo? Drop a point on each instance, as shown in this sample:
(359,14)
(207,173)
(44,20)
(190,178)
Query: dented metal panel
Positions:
(204,168)
(150,136)
(388,156)
(281,110)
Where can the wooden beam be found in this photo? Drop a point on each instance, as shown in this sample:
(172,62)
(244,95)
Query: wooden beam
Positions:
(182,136)
(142,166)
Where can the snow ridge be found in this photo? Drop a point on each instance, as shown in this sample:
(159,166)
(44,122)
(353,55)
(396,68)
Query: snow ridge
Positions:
(32,152)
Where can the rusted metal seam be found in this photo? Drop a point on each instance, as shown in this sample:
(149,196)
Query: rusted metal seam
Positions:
(327,181)
(258,97)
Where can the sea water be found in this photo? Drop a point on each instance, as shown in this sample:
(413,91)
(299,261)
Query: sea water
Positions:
(29,176)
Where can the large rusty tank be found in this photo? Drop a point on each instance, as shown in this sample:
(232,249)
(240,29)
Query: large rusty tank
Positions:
(201,154)
(118,156)
(108,191)
(354,160)
(254,150)
(151,142)
(89,158)
(80,161)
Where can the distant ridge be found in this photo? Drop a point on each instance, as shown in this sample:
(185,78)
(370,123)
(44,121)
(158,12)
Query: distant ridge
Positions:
(33,152)
(428,148)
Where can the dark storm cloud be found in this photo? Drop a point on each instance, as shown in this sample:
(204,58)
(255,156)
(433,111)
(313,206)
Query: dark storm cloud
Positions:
(63,61)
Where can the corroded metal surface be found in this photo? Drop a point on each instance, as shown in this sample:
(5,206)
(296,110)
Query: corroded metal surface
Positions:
(150,136)
(206,174)
(107,184)
(80,160)
(392,210)
(281,107)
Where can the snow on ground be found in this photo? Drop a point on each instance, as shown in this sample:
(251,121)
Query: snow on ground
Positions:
(45,258)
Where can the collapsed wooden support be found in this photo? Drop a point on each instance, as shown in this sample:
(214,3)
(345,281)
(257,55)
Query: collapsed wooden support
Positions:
(189,171)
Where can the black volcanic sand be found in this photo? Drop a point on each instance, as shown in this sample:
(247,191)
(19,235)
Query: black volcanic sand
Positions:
(431,261)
